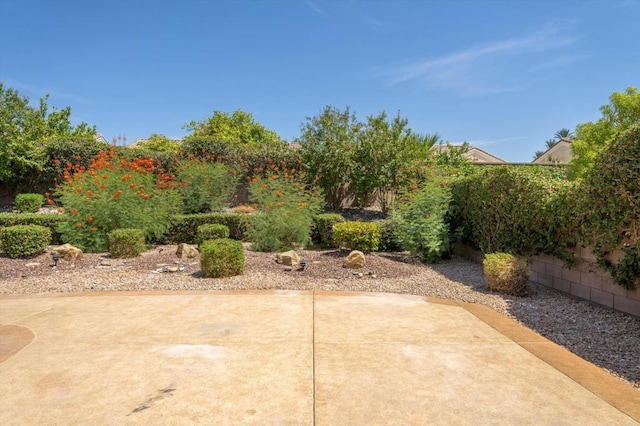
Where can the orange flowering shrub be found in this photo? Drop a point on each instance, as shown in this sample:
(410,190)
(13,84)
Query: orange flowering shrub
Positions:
(113,193)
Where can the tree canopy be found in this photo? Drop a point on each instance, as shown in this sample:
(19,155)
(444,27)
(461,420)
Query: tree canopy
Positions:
(157,143)
(238,128)
(373,156)
(24,131)
(622,112)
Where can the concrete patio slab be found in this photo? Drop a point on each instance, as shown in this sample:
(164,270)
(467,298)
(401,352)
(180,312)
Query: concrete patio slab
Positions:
(285,357)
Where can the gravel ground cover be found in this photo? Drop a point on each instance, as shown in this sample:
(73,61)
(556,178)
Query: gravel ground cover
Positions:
(606,338)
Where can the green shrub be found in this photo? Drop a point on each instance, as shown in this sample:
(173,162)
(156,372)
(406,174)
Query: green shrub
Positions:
(211,231)
(126,242)
(221,258)
(389,240)
(24,240)
(184,227)
(363,236)
(506,273)
(286,211)
(204,186)
(422,226)
(48,220)
(28,203)
(511,209)
(610,206)
(322,233)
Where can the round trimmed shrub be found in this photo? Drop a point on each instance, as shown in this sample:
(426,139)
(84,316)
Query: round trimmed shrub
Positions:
(506,273)
(223,257)
(24,240)
(363,236)
(211,231)
(28,203)
(126,242)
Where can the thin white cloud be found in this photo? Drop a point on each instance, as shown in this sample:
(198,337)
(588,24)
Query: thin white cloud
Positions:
(35,93)
(314,7)
(357,11)
(462,71)
(374,23)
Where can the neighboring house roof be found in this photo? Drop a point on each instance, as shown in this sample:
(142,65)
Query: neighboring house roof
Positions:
(560,153)
(99,138)
(474,154)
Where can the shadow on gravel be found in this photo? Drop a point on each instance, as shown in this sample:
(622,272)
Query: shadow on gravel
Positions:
(400,257)
(335,254)
(606,338)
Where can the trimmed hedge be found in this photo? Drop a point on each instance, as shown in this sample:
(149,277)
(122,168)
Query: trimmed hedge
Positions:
(211,231)
(363,236)
(48,220)
(126,242)
(322,231)
(24,240)
(184,227)
(28,203)
(223,257)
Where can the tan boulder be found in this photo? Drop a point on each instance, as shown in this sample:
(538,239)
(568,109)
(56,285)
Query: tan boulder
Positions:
(288,258)
(69,252)
(186,251)
(354,260)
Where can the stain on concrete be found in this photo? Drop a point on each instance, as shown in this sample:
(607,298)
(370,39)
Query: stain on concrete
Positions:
(209,352)
(13,338)
(161,394)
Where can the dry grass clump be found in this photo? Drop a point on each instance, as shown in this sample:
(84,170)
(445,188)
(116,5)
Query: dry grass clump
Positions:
(506,273)
(243,209)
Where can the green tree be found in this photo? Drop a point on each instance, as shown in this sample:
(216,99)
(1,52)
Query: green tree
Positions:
(538,154)
(157,143)
(424,143)
(452,156)
(238,129)
(384,152)
(25,129)
(621,113)
(550,143)
(563,133)
(328,144)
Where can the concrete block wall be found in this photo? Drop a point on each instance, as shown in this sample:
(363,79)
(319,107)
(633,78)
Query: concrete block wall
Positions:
(585,280)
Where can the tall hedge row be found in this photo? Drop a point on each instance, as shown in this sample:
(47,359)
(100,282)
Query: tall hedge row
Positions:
(512,209)
(532,210)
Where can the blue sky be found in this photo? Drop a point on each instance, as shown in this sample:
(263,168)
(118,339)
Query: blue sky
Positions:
(503,75)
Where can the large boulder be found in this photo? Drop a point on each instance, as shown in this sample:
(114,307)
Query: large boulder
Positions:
(186,251)
(354,260)
(69,252)
(288,258)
